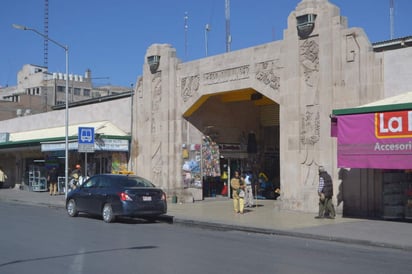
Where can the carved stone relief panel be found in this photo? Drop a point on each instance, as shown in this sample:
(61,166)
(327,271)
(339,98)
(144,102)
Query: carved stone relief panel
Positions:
(156,100)
(157,164)
(310,127)
(309,59)
(266,73)
(139,87)
(189,86)
(309,137)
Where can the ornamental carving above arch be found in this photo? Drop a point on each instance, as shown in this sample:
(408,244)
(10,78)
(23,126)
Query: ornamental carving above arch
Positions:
(266,73)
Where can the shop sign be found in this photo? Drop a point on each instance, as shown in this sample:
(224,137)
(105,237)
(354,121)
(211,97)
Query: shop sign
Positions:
(102,145)
(4,137)
(375,140)
(396,124)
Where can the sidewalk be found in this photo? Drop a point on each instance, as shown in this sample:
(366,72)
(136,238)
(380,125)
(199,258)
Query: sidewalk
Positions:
(266,218)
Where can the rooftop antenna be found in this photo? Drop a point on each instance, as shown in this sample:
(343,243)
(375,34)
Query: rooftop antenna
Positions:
(46,33)
(228,36)
(207,29)
(186,28)
(45,52)
(391,16)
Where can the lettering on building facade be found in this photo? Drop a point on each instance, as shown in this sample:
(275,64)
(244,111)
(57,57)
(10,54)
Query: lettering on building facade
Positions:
(227,75)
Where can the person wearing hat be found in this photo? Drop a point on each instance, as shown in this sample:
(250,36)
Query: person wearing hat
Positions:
(325,192)
(75,175)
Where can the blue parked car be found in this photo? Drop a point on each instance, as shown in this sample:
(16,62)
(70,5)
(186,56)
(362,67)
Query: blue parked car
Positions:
(112,195)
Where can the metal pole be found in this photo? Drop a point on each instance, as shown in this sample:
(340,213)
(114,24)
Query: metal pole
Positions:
(66,124)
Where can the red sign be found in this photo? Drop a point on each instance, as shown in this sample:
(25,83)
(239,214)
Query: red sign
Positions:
(396,124)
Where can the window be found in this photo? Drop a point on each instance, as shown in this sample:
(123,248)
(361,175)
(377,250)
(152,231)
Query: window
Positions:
(61,88)
(76,91)
(86,92)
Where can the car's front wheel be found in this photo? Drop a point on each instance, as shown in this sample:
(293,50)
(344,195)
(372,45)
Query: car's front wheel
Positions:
(72,208)
(107,213)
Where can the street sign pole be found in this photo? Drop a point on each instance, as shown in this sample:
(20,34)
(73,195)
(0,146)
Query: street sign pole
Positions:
(86,143)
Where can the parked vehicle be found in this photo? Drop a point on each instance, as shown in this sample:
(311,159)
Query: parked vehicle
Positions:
(112,195)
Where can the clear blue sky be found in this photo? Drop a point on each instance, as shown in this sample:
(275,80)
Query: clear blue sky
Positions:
(111,37)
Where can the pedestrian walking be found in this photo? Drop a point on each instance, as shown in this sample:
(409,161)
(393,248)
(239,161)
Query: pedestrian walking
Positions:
(238,194)
(53,178)
(3,177)
(248,190)
(325,192)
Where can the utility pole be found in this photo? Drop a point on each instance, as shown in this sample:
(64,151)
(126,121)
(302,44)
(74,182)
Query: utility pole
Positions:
(391,16)
(228,36)
(186,28)
(207,29)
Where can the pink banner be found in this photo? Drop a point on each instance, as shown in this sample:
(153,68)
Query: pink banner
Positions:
(375,140)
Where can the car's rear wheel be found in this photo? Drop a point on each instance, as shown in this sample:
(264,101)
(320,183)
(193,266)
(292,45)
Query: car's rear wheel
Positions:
(72,208)
(107,213)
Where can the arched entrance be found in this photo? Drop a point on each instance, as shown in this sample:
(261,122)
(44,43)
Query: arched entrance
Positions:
(244,125)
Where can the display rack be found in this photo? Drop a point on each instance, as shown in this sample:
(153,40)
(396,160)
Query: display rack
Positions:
(37,182)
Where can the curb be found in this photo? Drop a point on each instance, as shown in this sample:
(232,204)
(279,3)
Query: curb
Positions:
(276,232)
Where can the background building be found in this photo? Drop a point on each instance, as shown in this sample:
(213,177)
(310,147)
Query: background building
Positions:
(38,90)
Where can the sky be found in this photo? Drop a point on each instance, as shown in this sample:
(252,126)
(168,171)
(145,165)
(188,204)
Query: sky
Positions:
(111,37)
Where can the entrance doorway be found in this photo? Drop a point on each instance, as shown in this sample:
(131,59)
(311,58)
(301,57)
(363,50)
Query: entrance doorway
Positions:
(245,125)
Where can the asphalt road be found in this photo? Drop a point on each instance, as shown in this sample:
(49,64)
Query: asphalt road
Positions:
(35,239)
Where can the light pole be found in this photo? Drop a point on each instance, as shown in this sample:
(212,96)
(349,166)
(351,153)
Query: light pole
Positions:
(66,123)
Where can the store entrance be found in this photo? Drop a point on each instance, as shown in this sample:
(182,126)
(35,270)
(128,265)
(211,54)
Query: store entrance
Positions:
(244,125)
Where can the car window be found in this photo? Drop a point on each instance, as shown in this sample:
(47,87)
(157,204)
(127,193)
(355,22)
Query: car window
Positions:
(92,182)
(135,182)
(104,182)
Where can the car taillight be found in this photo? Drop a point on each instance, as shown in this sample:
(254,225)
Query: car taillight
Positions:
(124,197)
(163,197)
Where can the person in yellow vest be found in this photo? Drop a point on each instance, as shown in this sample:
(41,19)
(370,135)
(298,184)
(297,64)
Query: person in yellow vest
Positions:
(238,186)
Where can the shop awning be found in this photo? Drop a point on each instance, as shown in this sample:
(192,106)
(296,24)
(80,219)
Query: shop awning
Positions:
(110,136)
(376,135)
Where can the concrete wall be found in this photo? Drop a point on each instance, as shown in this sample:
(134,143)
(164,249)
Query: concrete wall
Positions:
(398,71)
(117,111)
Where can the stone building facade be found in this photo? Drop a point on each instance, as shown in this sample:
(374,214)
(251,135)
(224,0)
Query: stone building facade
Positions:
(281,93)
(320,64)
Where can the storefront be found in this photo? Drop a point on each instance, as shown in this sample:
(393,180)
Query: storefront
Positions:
(35,152)
(378,138)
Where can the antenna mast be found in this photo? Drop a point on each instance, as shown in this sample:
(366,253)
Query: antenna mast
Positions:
(45,53)
(228,36)
(186,28)
(46,33)
(391,15)
(207,29)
